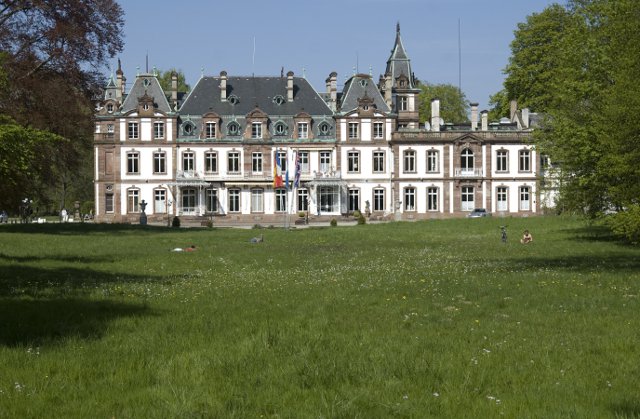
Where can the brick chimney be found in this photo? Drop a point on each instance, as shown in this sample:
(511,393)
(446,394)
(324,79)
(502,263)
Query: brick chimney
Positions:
(290,86)
(513,108)
(485,120)
(223,86)
(174,88)
(525,118)
(387,90)
(474,116)
(435,115)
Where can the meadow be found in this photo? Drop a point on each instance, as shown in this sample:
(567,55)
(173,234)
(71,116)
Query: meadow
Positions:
(404,320)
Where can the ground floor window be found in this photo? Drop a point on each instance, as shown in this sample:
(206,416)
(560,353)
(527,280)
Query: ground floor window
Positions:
(410,199)
(378,200)
(467,198)
(234,200)
(502,203)
(329,199)
(354,200)
(133,200)
(281,200)
(303,200)
(211,199)
(160,201)
(432,199)
(525,198)
(108,202)
(188,200)
(257,200)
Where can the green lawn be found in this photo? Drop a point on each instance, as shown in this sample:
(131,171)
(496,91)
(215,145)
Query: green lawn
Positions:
(415,320)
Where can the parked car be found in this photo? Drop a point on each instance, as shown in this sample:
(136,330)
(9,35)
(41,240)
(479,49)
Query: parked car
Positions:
(479,212)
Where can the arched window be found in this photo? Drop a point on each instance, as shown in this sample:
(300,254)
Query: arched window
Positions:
(233,128)
(466,160)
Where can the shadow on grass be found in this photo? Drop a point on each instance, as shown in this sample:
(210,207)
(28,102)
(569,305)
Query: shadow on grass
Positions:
(621,263)
(26,322)
(626,409)
(597,233)
(66,282)
(86,228)
(61,258)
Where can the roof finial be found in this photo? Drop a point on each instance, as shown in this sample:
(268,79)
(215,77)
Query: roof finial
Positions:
(398,27)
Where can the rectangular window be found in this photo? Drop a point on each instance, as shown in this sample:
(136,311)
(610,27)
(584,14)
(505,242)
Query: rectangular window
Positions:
(159,162)
(108,203)
(133,162)
(502,161)
(378,200)
(256,162)
(133,130)
(377,130)
(282,156)
(325,161)
(525,161)
(353,200)
(432,199)
(433,165)
(234,200)
(304,161)
(211,199)
(303,130)
(378,162)
(158,130)
(160,201)
(409,161)
(353,161)
(303,200)
(210,130)
(211,162)
(403,103)
(110,128)
(188,161)
(257,200)
(329,199)
(281,200)
(525,198)
(189,200)
(233,162)
(256,130)
(353,130)
(410,199)
(501,198)
(467,198)
(133,200)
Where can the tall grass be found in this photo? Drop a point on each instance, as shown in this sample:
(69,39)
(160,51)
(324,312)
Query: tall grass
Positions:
(425,319)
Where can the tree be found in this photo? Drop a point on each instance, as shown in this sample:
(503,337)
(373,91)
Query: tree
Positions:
(454,106)
(164,77)
(54,54)
(499,104)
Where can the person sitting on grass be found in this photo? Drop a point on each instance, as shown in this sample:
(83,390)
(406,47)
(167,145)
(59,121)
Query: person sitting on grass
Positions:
(526,237)
(191,248)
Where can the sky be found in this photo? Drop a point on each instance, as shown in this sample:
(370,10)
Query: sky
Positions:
(312,38)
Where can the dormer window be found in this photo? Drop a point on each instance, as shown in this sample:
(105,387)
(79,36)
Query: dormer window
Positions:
(233,99)
(280,128)
(324,128)
(279,100)
(145,106)
(303,130)
(233,128)
(256,130)
(363,83)
(188,128)
(110,107)
(146,82)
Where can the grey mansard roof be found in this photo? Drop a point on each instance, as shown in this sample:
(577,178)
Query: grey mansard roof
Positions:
(253,92)
(146,84)
(357,87)
(399,62)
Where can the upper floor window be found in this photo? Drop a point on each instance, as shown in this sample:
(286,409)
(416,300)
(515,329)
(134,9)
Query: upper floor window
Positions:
(353,161)
(325,161)
(233,162)
(378,130)
(188,161)
(211,162)
(133,162)
(409,161)
(282,160)
(133,132)
(353,130)
(210,130)
(403,103)
(110,107)
(303,130)
(524,160)
(433,165)
(256,162)
(303,156)
(378,162)
(159,162)
(502,161)
(158,130)
(256,130)
(466,159)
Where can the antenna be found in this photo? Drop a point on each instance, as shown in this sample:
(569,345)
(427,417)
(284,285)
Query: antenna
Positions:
(147,62)
(459,60)
(253,58)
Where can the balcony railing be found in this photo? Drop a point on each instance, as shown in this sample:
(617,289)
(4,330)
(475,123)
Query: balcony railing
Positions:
(460,172)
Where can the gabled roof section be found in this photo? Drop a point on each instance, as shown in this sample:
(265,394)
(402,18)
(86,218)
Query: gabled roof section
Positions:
(358,87)
(399,63)
(146,84)
(252,92)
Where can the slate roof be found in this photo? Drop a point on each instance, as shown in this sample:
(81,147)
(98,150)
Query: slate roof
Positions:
(399,63)
(252,92)
(152,88)
(356,88)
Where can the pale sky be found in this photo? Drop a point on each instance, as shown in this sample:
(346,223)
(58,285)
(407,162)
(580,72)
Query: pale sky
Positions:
(316,37)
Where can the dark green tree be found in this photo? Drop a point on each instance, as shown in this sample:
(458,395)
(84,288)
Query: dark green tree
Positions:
(454,106)
(164,77)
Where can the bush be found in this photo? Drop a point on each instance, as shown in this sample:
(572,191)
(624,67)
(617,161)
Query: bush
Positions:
(175,222)
(626,223)
(210,223)
(362,220)
(333,222)
(357,214)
